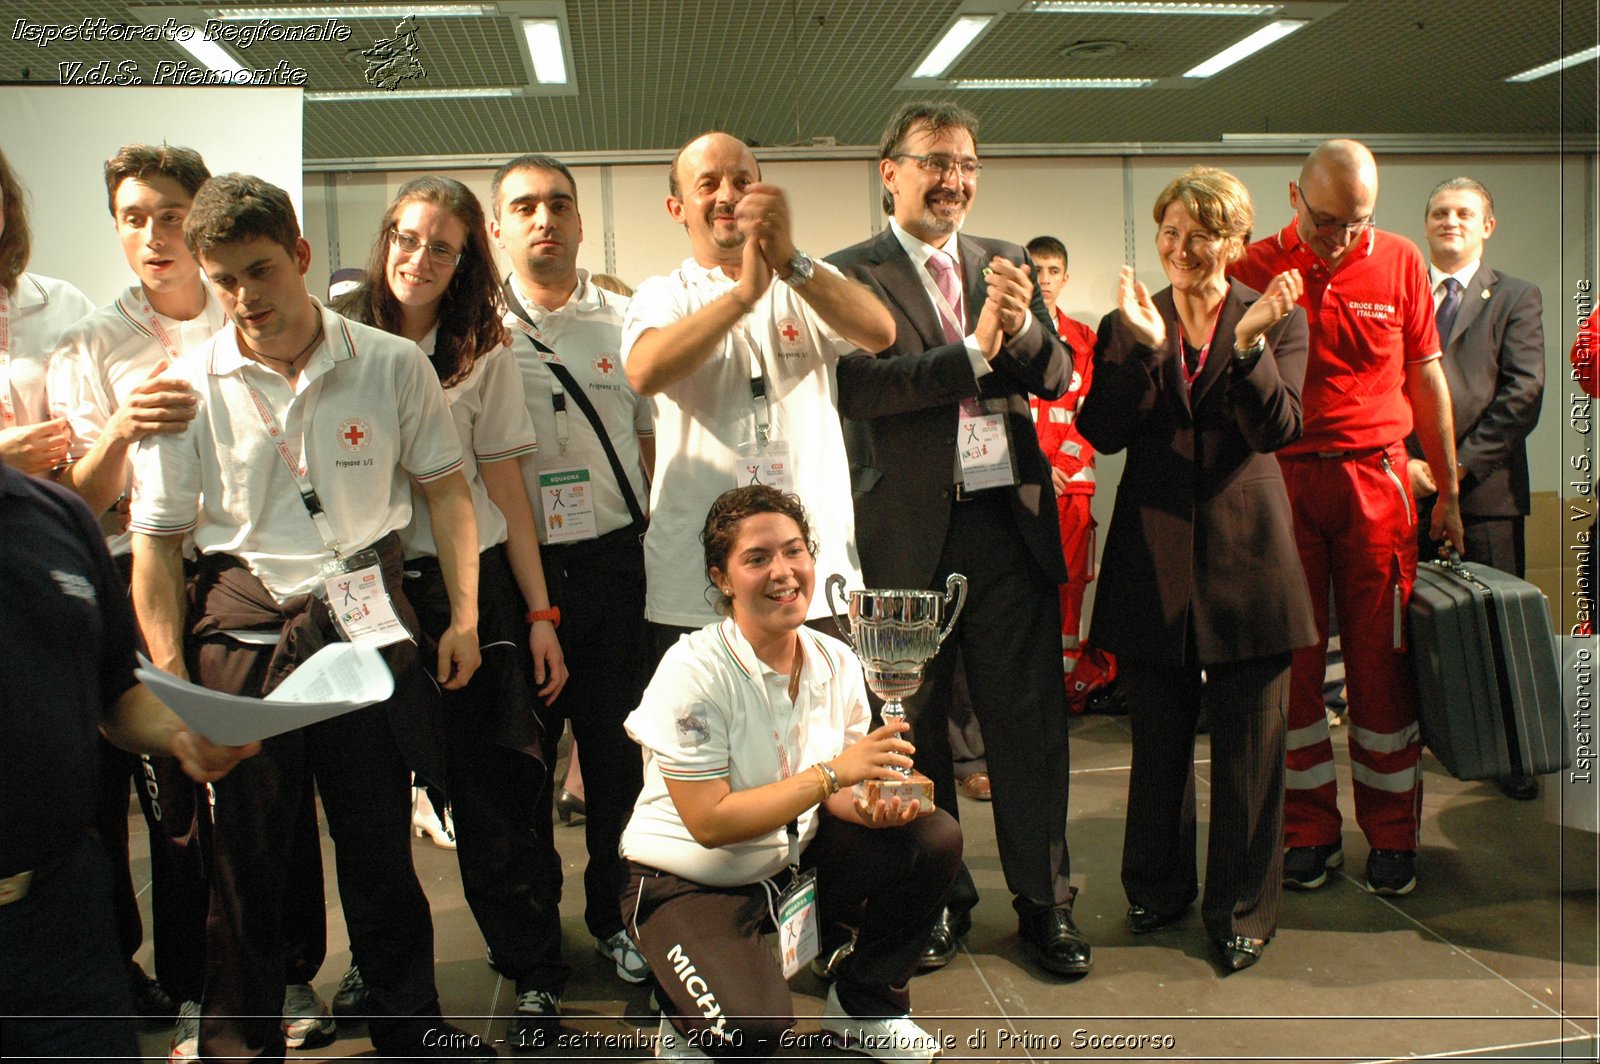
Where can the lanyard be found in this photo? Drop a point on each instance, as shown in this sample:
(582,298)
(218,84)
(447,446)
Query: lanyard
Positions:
(1199,363)
(156,329)
(760,404)
(558,396)
(8,412)
(297,470)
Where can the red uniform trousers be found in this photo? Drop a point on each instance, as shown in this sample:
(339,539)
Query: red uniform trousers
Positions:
(1077,545)
(1355,525)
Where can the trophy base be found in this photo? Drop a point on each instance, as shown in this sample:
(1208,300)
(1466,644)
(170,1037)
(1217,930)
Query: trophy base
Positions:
(915,787)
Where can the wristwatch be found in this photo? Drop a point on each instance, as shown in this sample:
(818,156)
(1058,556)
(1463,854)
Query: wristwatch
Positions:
(801,267)
(553,615)
(1255,350)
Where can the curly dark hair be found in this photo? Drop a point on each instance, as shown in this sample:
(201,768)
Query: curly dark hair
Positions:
(728,512)
(472,310)
(235,208)
(16,243)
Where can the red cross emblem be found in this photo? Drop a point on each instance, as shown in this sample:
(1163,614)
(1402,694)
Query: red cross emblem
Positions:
(354,434)
(790,333)
(604,365)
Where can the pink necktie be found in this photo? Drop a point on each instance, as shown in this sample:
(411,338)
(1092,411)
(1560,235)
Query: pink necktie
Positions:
(944,275)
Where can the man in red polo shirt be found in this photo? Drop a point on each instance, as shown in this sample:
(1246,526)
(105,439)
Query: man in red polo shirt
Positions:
(1374,362)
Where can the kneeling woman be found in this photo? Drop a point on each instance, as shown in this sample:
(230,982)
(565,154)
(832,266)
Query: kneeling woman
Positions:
(754,733)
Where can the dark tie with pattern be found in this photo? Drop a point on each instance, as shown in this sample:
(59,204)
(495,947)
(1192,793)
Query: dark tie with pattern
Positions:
(1445,316)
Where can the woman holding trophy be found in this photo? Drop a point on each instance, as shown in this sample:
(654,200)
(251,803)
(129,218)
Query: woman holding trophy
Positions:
(1202,597)
(755,730)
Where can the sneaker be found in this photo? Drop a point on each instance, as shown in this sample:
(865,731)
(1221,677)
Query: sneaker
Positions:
(536,1020)
(620,950)
(1392,872)
(350,997)
(670,1045)
(186,1039)
(307,1020)
(895,1038)
(1306,867)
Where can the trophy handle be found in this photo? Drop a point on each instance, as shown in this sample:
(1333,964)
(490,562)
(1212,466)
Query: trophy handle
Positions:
(837,581)
(955,586)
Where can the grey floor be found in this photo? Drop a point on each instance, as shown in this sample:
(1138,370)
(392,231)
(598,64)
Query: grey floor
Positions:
(1493,957)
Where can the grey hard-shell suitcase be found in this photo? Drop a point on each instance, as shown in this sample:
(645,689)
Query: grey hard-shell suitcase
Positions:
(1484,657)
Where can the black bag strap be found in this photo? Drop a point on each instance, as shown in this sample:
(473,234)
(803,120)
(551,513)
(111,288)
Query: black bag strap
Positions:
(574,389)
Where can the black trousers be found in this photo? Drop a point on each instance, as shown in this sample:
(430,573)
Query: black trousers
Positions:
(365,786)
(497,773)
(599,586)
(1247,704)
(1009,636)
(63,978)
(715,970)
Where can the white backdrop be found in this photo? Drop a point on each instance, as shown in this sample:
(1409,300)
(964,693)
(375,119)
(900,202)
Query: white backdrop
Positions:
(58,138)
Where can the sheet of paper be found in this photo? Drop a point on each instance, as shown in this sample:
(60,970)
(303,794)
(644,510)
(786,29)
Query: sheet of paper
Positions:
(337,679)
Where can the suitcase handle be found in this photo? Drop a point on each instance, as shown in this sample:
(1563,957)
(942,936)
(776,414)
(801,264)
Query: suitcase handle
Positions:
(1452,563)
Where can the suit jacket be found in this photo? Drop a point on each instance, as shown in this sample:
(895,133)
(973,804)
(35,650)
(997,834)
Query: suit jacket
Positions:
(1494,365)
(901,412)
(1201,552)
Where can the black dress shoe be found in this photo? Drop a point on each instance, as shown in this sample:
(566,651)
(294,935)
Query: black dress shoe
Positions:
(944,939)
(570,807)
(1518,785)
(1239,952)
(1055,942)
(150,1001)
(1142,921)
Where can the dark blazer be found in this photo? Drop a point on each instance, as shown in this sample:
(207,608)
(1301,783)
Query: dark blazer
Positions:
(1201,551)
(1494,365)
(900,407)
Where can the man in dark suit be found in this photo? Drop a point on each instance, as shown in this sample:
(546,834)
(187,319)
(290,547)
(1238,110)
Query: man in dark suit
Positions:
(1492,333)
(948,477)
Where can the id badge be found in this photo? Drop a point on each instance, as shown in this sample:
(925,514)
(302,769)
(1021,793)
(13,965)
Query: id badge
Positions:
(566,504)
(764,465)
(797,923)
(983,448)
(359,601)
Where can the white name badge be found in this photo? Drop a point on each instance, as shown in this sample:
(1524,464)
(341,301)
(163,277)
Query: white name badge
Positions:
(764,465)
(359,601)
(797,923)
(566,504)
(983,447)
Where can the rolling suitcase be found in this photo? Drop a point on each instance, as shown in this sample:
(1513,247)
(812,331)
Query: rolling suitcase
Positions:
(1488,687)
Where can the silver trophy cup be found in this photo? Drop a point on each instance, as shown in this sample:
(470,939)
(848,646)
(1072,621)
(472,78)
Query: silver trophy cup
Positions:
(895,634)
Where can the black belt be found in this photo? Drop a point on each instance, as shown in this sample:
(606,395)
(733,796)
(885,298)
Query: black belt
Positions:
(1345,456)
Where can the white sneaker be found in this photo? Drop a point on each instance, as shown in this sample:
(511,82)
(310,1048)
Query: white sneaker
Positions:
(425,820)
(619,948)
(186,1038)
(307,1020)
(670,1045)
(892,1039)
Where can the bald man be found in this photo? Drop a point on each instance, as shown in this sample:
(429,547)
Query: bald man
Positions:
(739,345)
(1373,378)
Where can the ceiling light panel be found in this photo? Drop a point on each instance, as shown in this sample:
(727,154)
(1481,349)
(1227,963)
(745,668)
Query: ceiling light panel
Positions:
(1265,37)
(956,40)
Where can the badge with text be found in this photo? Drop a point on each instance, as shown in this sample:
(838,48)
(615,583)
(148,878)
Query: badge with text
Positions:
(768,465)
(797,923)
(359,601)
(983,446)
(566,504)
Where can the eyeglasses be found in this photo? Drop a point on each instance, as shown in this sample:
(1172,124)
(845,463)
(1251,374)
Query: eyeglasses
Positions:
(441,254)
(944,164)
(1350,229)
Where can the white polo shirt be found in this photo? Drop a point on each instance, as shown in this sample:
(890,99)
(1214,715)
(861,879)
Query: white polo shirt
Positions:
(703,421)
(586,335)
(364,415)
(492,424)
(715,711)
(103,357)
(35,316)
